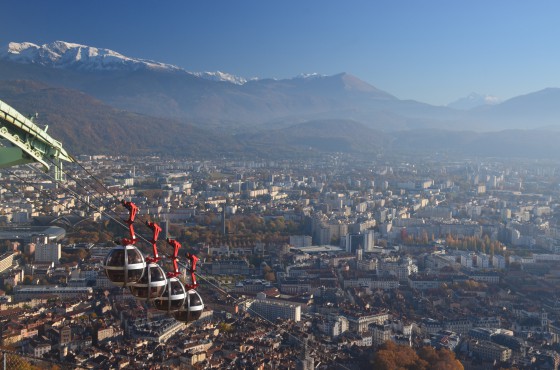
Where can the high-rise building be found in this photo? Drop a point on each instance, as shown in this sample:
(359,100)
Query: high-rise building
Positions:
(300,241)
(305,360)
(369,240)
(48,253)
(359,254)
(363,240)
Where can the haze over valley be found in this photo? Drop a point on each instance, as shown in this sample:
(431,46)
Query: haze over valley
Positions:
(225,113)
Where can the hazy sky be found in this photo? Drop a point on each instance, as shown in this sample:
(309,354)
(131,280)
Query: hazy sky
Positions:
(426,50)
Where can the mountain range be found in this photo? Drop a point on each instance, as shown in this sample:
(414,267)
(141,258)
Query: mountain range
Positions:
(114,96)
(474,100)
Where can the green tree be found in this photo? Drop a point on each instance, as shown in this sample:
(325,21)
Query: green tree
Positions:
(225,327)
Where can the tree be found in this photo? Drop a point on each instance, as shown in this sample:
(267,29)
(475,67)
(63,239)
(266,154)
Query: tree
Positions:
(392,356)
(443,358)
(424,237)
(82,254)
(428,354)
(17,362)
(225,327)
(269,274)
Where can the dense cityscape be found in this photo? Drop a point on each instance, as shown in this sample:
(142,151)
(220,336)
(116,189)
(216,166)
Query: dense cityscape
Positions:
(331,262)
(279,185)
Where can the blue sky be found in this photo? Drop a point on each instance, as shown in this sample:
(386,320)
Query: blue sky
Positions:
(426,50)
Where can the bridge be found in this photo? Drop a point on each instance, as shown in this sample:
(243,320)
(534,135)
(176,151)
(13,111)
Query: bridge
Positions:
(30,144)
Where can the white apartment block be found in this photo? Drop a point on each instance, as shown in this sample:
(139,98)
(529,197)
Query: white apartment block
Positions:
(369,240)
(360,324)
(334,326)
(380,333)
(6,261)
(466,260)
(482,261)
(25,293)
(490,351)
(271,310)
(498,262)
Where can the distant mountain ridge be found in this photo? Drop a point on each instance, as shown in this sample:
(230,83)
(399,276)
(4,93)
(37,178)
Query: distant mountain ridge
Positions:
(165,90)
(113,94)
(86,125)
(221,76)
(183,96)
(474,100)
(67,55)
(61,54)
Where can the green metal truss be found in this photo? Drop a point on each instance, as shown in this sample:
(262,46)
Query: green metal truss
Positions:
(30,143)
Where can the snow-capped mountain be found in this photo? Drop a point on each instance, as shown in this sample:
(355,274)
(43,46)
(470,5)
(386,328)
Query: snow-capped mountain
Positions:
(220,76)
(163,90)
(61,54)
(66,55)
(310,75)
(474,100)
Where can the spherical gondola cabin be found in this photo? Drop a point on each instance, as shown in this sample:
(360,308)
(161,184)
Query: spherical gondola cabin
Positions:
(124,265)
(192,309)
(173,296)
(152,283)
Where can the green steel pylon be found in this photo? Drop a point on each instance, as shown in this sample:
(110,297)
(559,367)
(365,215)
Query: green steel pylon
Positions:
(30,143)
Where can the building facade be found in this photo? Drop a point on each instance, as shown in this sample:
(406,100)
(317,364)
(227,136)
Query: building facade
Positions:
(48,252)
(272,310)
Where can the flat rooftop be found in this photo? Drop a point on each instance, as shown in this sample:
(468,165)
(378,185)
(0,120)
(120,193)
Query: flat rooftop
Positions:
(25,233)
(320,249)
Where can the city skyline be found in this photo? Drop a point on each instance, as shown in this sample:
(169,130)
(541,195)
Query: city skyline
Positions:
(435,52)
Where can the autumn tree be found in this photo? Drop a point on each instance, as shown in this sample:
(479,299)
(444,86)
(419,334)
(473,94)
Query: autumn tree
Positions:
(443,358)
(13,361)
(269,274)
(391,356)
(394,356)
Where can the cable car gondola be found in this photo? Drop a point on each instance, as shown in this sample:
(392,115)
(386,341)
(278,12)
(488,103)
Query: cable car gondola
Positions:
(152,283)
(173,296)
(191,309)
(124,265)
(154,280)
